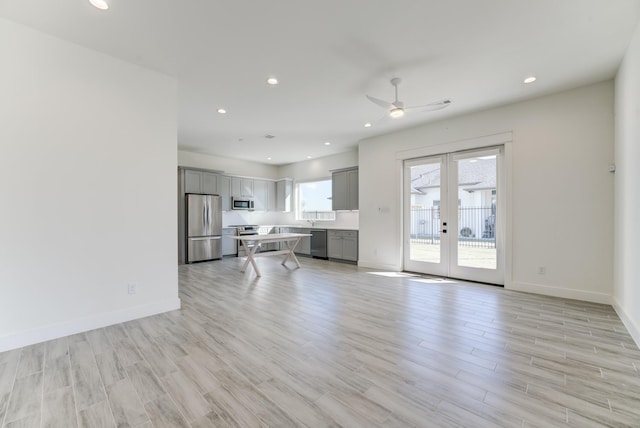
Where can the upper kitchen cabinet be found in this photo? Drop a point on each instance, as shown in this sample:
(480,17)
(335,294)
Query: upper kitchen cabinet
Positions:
(241,186)
(284,195)
(344,183)
(271,195)
(224,190)
(209,183)
(196,181)
(260,196)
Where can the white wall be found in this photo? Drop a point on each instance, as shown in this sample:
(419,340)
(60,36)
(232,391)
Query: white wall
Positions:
(627,195)
(227,165)
(87,189)
(562,193)
(315,169)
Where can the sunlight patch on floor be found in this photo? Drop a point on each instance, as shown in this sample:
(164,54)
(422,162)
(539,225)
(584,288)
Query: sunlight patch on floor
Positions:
(435,280)
(394,274)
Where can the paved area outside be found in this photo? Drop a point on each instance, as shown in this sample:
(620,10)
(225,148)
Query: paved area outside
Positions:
(484,258)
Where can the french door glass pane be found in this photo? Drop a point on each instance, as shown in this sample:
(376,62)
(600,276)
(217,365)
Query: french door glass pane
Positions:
(477,179)
(425,212)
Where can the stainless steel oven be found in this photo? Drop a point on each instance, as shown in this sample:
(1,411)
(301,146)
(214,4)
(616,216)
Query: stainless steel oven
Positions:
(244,230)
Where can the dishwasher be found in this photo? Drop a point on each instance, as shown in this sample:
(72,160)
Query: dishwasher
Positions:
(319,243)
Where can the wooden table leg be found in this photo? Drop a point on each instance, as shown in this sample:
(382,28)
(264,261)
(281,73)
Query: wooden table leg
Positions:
(250,253)
(291,254)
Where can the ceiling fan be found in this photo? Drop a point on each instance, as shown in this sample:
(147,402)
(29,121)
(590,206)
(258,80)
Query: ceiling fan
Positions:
(397,109)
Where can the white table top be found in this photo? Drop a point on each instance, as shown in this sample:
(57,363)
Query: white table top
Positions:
(274,237)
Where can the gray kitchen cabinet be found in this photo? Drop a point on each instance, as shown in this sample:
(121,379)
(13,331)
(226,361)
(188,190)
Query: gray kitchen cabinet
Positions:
(267,230)
(344,187)
(229,246)
(200,182)
(241,186)
(224,190)
(192,181)
(350,246)
(342,245)
(271,195)
(260,195)
(354,200)
(304,246)
(284,195)
(334,244)
(209,183)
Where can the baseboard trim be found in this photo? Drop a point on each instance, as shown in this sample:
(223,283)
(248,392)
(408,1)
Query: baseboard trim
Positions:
(634,330)
(549,290)
(378,266)
(80,325)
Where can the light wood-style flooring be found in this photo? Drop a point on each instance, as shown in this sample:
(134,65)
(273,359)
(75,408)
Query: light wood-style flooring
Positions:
(331,344)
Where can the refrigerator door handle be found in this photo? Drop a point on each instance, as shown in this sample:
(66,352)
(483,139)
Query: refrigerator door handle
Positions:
(209,215)
(206,238)
(204,218)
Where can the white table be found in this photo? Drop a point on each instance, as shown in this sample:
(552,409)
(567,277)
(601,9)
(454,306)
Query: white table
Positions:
(290,240)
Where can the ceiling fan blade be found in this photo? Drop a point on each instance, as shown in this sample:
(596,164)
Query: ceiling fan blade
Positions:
(381,103)
(438,105)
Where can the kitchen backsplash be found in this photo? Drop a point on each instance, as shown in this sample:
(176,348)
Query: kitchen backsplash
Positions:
(344,219)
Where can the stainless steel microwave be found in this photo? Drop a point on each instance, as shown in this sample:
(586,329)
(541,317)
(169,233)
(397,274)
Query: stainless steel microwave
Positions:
(241,203)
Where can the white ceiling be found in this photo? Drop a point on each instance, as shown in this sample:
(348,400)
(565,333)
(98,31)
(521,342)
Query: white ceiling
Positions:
(328,54)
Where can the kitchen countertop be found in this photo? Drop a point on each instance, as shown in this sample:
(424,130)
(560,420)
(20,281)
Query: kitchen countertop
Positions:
(302,226)
(308,226)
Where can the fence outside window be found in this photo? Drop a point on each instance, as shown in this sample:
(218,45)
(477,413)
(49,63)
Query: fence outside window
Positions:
(476,226)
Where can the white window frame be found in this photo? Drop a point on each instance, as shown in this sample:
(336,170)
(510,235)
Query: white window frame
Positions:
(312,215)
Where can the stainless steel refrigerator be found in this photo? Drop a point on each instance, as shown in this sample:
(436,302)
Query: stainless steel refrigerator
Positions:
(204,227)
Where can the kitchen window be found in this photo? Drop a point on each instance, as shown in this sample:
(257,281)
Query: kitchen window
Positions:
(314,201)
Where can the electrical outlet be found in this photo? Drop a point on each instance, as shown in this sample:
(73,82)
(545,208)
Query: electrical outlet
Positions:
(542,270)
(132,288)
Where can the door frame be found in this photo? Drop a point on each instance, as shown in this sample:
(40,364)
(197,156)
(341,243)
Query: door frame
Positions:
(505,180)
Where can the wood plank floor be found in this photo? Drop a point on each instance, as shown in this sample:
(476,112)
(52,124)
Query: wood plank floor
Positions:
(333,345)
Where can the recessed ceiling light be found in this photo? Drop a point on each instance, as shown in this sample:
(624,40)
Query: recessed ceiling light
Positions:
(222,111)
(367,125)
(308,157)
(100,4)
(327,143)
(530,79)
(272,81)
(268,158)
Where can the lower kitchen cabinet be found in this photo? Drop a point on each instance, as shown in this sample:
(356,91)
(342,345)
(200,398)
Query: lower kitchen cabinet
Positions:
(229,246)
(304,246)
(269,246)
(342,245)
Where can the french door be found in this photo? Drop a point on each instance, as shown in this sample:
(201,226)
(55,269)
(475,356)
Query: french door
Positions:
(453,215)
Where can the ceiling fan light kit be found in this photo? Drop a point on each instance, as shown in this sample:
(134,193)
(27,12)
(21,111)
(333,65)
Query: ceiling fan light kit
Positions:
(100,4)
(396,108)
(396,112)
